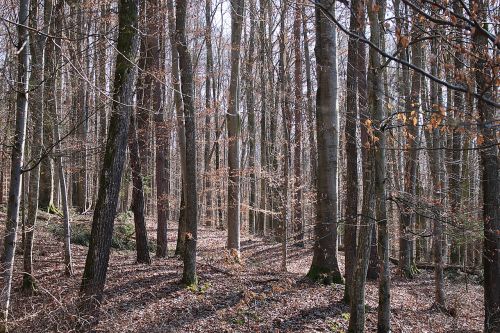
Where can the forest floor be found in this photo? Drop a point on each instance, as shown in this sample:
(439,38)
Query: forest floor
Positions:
(250,296)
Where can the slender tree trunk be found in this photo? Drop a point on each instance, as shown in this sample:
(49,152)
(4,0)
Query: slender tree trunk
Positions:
(376,14)
(162,183)
(137,205)
(261,227)
(298,228)
(252,215)
(162,135)
(209,85)
(53,96)
(37,114)
(406,260)
(190,236)
(17,159)
(313,168)
(325,263)
(179,112)
(96,264)
(437,162)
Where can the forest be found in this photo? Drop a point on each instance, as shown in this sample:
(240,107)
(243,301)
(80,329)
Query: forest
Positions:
(250,166)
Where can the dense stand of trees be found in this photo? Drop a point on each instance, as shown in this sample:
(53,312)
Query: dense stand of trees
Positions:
(383,142)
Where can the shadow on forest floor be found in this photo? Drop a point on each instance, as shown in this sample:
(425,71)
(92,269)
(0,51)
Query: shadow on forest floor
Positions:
(251,296)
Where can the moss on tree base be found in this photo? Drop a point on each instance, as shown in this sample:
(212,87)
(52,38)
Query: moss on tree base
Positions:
(29,284)
(324,275)
(52,209)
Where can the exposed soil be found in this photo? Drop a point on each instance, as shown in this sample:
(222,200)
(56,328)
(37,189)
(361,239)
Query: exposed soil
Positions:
(251,296)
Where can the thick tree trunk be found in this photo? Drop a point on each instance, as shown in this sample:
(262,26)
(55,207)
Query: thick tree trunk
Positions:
(96,264)
(17,159)
(325,262)
(233,131)
(190,236)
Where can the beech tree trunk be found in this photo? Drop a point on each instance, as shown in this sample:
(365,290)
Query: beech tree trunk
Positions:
(233,131)
(325,264)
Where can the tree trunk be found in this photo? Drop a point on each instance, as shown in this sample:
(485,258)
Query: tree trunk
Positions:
(162,183)
(313,168)
(261,225)
(179,112)
(137,205)
(437,163)
(490,178)
(52,95)
(190,236)
(297,194)
(17,159)
(376,14)
(233,131)
(96,264)
(252,218)
(209,85)
(406,262)
(162,132)
(37,45)
(325,263)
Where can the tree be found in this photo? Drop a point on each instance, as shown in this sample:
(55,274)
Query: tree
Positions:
(233,129)
(490,176)
(96,264)
(298,228)
(141,236)
(355,71)
(17,159)
(179,112)
(250,99)
(376,14)
(190,235)
(325,263)
(37,113)
(53,58)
